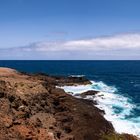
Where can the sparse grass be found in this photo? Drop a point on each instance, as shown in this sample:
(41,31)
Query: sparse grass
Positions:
(118,137)
(113,137)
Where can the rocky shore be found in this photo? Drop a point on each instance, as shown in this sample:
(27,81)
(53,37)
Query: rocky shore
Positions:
(32,107)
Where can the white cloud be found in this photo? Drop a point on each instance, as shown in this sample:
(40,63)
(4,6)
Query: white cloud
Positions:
(121,46)
(117,42)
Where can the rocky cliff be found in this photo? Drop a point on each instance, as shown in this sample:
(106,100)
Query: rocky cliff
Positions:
(33,108)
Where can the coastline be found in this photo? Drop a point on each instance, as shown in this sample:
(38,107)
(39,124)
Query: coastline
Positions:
(107,99)
(33,107)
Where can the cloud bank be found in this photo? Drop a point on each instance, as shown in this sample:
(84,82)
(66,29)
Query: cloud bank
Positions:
(121,46)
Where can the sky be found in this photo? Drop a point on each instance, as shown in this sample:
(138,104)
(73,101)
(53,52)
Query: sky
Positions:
(70,29)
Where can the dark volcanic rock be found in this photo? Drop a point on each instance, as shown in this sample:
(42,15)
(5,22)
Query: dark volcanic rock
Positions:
(61,80)
(87,93)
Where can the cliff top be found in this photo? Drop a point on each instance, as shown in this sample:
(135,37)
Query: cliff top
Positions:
(7,71)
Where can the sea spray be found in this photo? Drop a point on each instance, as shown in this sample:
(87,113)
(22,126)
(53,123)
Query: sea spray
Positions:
(118,109)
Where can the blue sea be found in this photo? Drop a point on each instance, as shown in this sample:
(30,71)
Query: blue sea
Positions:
(118,83)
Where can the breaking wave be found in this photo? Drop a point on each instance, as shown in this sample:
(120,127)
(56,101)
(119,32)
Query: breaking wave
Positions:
(118,109)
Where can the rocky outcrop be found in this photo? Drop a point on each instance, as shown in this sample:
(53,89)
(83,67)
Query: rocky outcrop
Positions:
(32,108)
(87,93)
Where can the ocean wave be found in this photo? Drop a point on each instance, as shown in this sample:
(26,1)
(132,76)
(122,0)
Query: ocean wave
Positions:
(136,85)
(118,109)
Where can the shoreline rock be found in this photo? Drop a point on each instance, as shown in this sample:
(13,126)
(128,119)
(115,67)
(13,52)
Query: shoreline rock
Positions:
(90,92)
(33,108)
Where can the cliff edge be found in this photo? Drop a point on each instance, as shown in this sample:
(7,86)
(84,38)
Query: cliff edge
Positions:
(33,108)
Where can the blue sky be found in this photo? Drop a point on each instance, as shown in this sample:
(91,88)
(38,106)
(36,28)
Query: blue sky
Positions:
(41,29)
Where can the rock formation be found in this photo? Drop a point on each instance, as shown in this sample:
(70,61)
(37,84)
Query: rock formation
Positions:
(33,108)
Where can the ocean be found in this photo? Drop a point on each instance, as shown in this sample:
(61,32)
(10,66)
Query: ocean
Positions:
(118,83)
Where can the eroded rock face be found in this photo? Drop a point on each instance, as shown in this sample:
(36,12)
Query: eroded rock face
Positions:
(32,108)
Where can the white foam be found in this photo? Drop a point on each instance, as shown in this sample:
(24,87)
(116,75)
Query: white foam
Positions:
(108,101)
(77,76)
